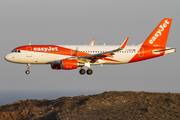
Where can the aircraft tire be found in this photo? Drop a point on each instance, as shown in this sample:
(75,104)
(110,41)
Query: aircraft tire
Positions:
(89,71)
(27,71)
(82,72)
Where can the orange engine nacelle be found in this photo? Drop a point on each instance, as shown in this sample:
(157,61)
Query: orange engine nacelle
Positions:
(65,64)
(69,64)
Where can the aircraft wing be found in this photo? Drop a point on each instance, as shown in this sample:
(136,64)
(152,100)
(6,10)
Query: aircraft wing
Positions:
(94,57)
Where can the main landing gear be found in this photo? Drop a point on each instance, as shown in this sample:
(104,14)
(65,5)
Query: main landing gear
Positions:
(82,71)
(28,67)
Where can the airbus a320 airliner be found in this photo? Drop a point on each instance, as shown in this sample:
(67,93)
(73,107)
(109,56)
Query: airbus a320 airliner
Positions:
(68,57)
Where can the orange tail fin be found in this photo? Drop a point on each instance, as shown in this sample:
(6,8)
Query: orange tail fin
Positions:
(159,36)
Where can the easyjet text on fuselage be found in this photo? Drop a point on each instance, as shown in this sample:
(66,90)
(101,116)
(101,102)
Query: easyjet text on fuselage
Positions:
(45,49)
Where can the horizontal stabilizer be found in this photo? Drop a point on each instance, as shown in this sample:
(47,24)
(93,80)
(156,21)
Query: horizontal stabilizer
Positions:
(167,51)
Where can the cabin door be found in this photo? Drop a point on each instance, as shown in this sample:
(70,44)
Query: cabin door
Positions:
(141,52)
(28,51)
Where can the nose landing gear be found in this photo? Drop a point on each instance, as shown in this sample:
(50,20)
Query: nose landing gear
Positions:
(28,67)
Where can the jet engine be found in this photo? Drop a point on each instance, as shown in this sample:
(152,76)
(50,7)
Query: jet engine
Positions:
(65,64)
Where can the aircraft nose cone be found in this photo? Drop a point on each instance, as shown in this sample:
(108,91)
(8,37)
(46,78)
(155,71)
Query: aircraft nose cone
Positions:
(7,57)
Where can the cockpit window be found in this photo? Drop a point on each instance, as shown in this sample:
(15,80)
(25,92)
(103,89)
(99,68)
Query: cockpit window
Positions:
(16,51)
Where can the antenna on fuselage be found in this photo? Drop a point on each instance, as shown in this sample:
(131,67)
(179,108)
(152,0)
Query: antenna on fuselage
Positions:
(29,43)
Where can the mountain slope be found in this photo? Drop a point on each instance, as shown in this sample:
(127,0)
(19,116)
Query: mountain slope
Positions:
(106,106)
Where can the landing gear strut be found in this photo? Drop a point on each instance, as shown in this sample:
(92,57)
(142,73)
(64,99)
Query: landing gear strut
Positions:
(28,67)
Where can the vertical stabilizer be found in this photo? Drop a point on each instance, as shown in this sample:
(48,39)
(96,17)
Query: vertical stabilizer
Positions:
(159,36)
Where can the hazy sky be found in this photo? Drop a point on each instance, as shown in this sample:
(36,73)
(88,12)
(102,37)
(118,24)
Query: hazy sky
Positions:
(77,22)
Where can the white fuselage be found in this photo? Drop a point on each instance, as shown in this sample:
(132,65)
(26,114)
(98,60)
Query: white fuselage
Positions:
(53,57)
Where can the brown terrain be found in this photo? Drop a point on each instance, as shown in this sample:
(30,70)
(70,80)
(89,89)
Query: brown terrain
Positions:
(113,105)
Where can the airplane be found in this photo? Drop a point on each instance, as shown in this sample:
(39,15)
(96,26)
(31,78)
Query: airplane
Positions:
(68,57)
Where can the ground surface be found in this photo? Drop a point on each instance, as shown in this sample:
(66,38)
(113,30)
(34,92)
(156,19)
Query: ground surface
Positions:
(106,106)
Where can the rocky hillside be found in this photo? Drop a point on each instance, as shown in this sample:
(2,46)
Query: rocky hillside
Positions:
(106,106)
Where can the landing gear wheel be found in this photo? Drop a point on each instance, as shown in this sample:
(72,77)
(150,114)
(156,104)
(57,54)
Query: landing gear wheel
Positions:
(89,71)
(82,71)
(28,67)
(27,72)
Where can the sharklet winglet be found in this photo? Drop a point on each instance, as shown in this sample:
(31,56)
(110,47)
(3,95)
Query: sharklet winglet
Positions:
(124,43)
